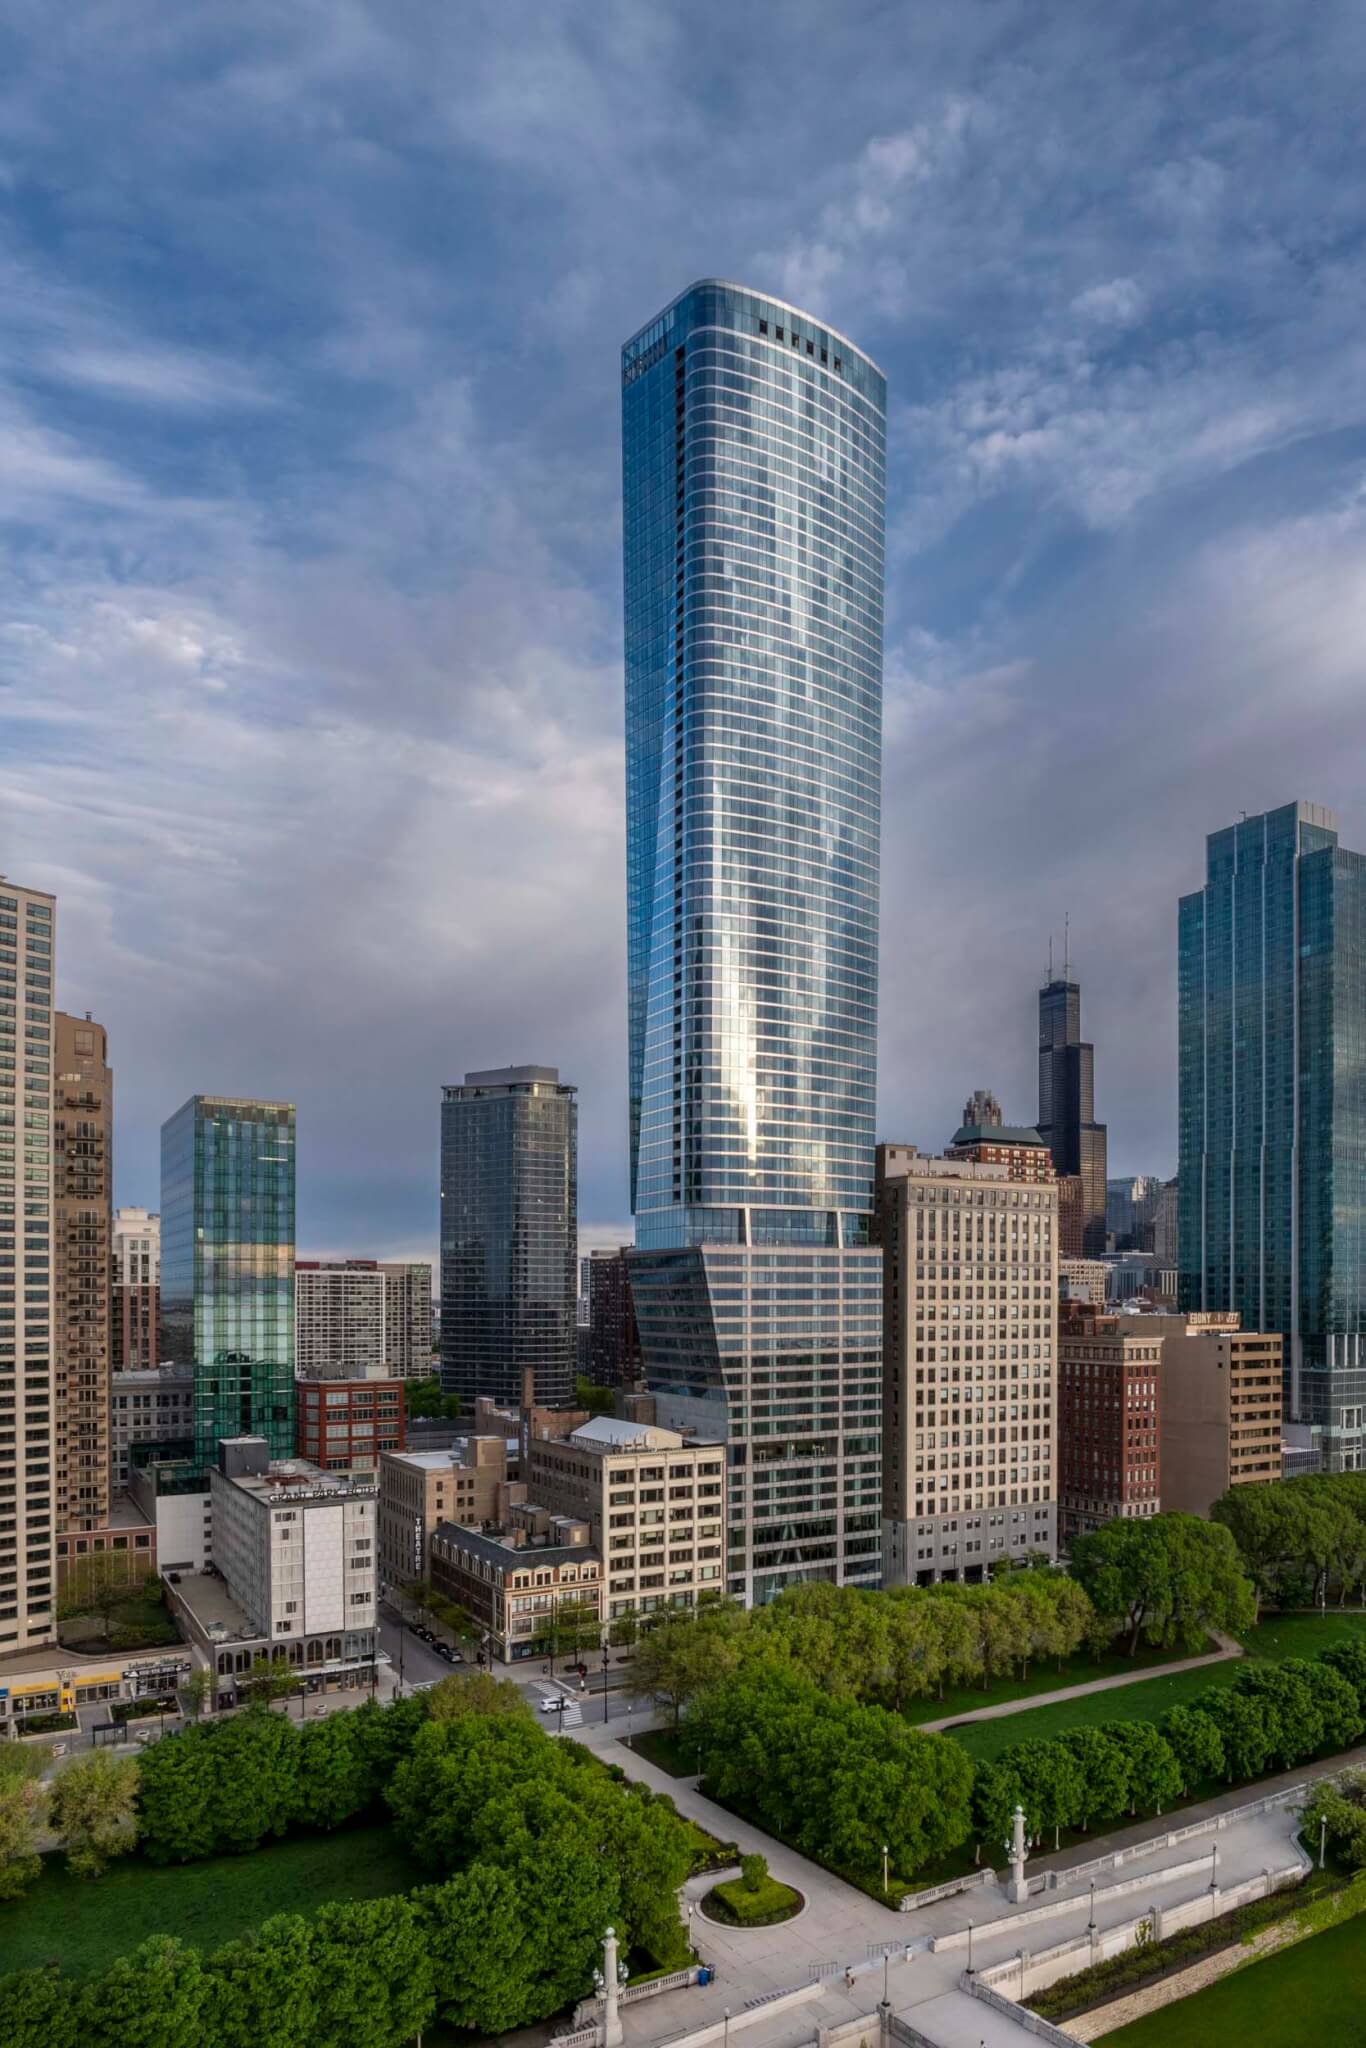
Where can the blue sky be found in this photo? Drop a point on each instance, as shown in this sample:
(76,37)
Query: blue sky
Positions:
(310,662)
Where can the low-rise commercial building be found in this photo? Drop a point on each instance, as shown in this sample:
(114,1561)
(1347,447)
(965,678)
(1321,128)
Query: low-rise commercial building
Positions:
(294,1571)
(654,1501)
(1221,1409)
(514,1586)
(467,1484)
(345,1425)
(1109,1407)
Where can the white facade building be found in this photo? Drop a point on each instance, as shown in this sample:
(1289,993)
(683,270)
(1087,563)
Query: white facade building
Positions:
(357,1317)
(295,1546)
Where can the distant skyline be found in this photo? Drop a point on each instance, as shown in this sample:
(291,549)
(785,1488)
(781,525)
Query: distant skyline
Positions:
(310,645)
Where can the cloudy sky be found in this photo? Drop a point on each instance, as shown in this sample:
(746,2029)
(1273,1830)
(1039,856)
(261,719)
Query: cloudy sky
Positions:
(310,650)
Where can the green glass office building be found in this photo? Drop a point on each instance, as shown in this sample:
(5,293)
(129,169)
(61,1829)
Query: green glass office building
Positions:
(227,1266)
(1272,1088)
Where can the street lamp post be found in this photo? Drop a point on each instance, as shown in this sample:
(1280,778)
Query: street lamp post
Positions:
(884,1866)
(969,1948)
(725,2033)
(1323,1837)
(1091,1921)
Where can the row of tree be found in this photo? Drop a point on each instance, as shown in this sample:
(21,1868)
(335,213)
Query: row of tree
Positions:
(1301,1539)
(1167,1581)
(226,1786)
(1270,1717)
(883,1648)
(487,1950)
(834,1777)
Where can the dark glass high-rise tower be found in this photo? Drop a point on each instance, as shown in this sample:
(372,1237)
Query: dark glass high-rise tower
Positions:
(1272,1094)
(227,1267)
(1067,1104)
(754,459)
(509,1234)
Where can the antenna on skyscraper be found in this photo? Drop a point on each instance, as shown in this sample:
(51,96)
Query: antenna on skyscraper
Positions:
(1050,956)
(1066,942)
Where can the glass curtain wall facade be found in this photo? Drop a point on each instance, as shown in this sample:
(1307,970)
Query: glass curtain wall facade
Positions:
(227,1267)
(509,1235)
(1272,1106)
(754,488)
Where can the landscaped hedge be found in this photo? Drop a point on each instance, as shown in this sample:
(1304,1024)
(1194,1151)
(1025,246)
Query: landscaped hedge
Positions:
(1271,1717)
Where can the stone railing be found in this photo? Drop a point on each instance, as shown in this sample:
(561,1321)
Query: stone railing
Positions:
(675,1980)
(1022,2017)
(911,1902)
(1293,1795)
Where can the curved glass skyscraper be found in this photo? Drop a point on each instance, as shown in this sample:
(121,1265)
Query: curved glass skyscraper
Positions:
(754,463)
(754,452)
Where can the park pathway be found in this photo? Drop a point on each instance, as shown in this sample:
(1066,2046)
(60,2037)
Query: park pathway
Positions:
(1227,1648)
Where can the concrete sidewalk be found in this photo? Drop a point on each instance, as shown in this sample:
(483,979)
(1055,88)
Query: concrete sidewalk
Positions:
(1227,1648)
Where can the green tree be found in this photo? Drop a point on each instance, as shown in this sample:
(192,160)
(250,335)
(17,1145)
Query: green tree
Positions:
(677,1659)
(1169,1579)
(157,1997)
(1336,1703)
(176,1796)
(1052,1788)
(996,1793)
(625,1631)
(1100,1756)
(455,1769)
(477,1692)
(96,1586)
(92,1810)
(335,1776)
(1343,1806)
(1241,1722)
(481,1950)
(1154,1772)
(37,2010)
(374,1980)
(23,1807)
(1195,1742)
(597,1400)
(255,1759)
(423,1400)
(270,1679)
(263,1990)
(196,1689)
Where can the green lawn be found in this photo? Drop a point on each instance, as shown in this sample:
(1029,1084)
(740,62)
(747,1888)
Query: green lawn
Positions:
(1309,1992)
(85,1923)
(1294,1636)
(1046,1677)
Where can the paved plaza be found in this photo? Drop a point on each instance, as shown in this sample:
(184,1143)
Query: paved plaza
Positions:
(841,1933)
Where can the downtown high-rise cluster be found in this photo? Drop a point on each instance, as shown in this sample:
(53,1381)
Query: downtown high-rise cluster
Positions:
(849,1361)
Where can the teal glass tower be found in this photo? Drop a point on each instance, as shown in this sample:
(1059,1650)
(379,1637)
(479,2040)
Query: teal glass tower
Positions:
(1272,1106)
(227,1267)
(754,496)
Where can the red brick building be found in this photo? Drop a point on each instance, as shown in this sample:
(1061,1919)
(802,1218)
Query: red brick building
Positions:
(343,1425)
(1109,1419)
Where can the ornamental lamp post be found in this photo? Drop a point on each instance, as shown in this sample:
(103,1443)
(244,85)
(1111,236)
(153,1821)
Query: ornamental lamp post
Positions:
(1323,1837)
(969,1948)
(884,1866)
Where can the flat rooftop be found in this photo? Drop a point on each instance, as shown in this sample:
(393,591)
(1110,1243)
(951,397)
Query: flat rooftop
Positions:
(211,1605)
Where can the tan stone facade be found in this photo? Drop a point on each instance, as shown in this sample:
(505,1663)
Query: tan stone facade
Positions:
(1221,1409)
(654,1502)
(417,1489)
(969,1366)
